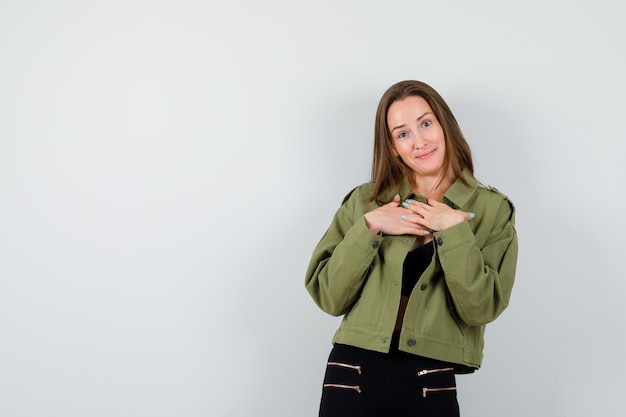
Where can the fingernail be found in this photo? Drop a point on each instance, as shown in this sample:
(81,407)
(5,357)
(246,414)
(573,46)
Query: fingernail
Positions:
(396,197)
(403,217)
(406,203)
(426,232)
(472,215)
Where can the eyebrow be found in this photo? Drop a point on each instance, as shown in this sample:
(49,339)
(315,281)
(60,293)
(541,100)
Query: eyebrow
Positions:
(418,119)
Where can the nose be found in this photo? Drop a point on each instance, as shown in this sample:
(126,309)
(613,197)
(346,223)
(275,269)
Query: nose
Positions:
(419,140)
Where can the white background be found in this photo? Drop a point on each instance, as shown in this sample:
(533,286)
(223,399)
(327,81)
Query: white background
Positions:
(166,168)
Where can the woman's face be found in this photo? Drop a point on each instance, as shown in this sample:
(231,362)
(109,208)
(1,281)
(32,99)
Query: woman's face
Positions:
(417,136)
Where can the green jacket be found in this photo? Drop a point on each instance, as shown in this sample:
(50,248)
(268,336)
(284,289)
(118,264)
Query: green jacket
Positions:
(358,274)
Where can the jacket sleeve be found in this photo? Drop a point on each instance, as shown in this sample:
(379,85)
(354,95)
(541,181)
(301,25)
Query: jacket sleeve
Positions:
(480,279)
(341,262)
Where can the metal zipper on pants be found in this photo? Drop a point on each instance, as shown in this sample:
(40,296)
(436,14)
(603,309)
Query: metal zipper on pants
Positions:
(432,371)
(346,365)
(354,387)
(425,391)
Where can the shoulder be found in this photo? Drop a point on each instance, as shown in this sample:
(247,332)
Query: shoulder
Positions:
(469,191)
(359,193)
(359,201)
(493,193)
(495,201)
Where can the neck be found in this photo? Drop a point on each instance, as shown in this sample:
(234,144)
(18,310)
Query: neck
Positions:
(432,187)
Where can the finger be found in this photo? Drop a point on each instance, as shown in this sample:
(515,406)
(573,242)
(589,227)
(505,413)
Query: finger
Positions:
(411,205)
(414,230)
(421,232)
(416,207)
(418,223)
(412,217)
(434,203)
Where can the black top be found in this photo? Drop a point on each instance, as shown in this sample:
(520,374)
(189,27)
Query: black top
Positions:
(414,266)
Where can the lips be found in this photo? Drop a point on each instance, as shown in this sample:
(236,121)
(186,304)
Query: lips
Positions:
(426,154)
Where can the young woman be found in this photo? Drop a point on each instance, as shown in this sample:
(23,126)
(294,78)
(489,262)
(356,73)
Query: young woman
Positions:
(417,261)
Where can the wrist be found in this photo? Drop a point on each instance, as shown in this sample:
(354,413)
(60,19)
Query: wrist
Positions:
(372,228)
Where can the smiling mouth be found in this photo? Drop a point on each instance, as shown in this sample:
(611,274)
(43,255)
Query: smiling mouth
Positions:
(426,155)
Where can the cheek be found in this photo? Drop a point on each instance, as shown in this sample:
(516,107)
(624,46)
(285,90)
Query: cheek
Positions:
(403,150)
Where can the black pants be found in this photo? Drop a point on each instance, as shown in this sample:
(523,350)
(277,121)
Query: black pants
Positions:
(363,383)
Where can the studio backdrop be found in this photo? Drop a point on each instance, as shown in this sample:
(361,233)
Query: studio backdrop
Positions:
(167,167)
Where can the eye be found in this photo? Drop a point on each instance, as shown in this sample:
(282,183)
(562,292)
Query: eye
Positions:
(402,135)
(426,123)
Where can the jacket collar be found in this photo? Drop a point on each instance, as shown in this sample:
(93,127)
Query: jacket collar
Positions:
(458,194)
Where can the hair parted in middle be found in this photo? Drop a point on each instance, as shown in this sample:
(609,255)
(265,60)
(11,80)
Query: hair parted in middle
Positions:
(388,170)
